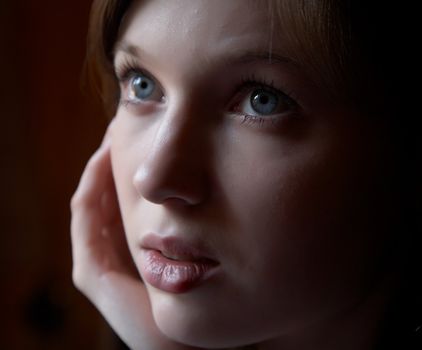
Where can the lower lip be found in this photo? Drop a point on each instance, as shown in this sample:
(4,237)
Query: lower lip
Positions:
(174,276)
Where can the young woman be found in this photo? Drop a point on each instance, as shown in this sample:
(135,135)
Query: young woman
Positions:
(255,186)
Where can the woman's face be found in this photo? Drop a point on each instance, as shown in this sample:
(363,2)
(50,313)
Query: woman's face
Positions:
(223,148)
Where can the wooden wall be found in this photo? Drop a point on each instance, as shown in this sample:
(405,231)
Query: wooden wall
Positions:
(48,131)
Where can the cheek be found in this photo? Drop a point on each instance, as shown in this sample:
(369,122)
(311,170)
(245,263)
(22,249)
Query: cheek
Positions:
(130,146)
(269,189)
(300,222)
(124,164)
(122,169)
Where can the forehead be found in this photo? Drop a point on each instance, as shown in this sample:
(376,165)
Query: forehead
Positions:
(198,27)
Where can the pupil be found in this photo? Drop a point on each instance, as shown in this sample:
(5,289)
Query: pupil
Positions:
(142,87)
(263,99)
(264,102)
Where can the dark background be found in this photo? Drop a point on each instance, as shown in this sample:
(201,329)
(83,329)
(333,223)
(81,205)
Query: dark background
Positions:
(49,128)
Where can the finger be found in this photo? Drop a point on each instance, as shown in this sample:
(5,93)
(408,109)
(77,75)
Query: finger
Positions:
(94,180)
(116,249)
(109,130)
(96,219)
(99,164)
(87,220)
(98,238)
(125,305)
(109,202)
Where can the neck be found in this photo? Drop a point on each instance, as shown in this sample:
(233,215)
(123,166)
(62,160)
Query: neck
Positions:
(355,329)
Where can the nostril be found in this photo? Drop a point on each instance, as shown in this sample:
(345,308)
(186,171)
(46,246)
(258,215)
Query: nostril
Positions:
(175,202)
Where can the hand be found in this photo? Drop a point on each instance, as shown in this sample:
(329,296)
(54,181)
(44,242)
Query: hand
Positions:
(102,266)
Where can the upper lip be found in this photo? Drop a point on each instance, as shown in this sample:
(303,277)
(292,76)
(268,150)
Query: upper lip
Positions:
(176,247)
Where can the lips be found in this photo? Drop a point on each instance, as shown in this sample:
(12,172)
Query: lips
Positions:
(175,265)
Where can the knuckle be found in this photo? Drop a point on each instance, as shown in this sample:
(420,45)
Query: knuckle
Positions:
(76,201)
(84,284)
(92,162)
(78,279)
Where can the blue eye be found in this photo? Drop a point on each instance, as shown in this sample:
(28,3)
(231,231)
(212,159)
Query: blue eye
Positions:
(258,100)
(141,88)
(264,102)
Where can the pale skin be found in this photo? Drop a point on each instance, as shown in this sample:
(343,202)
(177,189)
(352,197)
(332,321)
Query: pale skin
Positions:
(283,199)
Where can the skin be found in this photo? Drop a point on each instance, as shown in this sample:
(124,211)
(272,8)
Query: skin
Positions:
(102,267)
(291,206)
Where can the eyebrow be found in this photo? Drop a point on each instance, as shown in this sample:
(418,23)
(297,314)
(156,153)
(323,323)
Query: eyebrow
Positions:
(248,56)
(126,48)
(252,56)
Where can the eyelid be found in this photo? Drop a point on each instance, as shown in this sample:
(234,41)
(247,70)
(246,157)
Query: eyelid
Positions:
(252,82)
(250,85)
(126,69)
(241,95)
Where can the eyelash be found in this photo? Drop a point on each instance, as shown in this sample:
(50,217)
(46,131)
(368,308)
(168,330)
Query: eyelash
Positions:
(250,83)
(125,70)
(128,68)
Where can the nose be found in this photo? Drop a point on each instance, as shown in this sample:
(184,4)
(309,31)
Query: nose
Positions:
(174,170)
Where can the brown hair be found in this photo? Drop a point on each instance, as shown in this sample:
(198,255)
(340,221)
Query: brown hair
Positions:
(104,24)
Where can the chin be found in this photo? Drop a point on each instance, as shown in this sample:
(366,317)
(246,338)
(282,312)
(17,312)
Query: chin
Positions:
(179,319)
